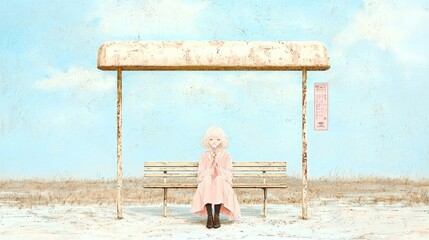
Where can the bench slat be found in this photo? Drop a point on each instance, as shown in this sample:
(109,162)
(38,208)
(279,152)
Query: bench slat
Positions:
(234,164)
(168,175)
(171,164)
(235,185)
(194,169)
(259,164)
(173,169)
(260,175)
(259,169)
(260,185)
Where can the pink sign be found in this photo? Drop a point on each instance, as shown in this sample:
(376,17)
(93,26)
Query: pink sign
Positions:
(320,106)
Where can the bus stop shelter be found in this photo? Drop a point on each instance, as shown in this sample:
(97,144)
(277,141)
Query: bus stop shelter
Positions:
(212,56)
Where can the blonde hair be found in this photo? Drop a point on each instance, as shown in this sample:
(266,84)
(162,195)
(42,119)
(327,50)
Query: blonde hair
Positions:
(215,132)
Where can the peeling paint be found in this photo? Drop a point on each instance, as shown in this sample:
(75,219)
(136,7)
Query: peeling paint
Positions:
(119,198)
(304,144)
(213,55)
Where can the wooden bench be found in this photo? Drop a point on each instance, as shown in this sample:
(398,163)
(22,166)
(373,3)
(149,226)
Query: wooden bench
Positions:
(177,175)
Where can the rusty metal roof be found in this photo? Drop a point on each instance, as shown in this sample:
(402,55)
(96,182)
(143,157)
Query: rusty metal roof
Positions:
(213,55)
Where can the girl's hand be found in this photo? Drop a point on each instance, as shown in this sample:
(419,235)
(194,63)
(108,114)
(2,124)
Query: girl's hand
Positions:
(214,166)
(213,162)
(215,171)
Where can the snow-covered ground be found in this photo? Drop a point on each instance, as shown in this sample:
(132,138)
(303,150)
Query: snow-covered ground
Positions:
(327,220)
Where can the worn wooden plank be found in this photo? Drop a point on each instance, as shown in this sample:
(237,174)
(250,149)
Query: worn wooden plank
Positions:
(265,175)
(171,169)
(235,185)
(259,164)
(260,185)
(259,169)
(195,175)
(169,185)
(234,164)
(171,164)
(213,55)
(194,169)
(169,175)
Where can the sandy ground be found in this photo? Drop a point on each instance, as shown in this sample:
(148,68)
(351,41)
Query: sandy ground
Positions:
(329,219)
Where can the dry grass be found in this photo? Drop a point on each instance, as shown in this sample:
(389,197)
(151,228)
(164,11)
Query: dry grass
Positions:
(364,190)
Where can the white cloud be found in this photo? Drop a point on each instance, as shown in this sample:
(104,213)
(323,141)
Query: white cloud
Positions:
(81,96)
(396,26)
(148,18)
(77,78)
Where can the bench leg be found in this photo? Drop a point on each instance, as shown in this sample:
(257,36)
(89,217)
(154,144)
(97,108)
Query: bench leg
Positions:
(265,202)
(165,202)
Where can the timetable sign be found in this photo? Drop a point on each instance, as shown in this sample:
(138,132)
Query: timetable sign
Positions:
(320,106)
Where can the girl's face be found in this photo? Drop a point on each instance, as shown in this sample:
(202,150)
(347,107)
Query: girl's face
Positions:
(214,141)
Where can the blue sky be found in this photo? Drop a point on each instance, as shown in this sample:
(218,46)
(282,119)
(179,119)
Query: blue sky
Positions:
(57,110)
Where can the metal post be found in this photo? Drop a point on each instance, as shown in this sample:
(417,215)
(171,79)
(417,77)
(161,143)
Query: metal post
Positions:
(165,195)
(165,202)
(119,145)
(265,202)
(304,143)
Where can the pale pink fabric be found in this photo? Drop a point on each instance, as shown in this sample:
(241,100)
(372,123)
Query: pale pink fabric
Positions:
(215,186)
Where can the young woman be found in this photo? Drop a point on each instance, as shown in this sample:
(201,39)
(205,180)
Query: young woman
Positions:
(215,180)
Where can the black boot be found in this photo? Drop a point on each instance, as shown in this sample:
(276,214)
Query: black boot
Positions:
(209,215)
(216,220)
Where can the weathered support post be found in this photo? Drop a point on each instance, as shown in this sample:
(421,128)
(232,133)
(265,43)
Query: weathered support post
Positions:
(165,202)
(119,145)
(265,202)
(165,195)
(304,143)
(265,194)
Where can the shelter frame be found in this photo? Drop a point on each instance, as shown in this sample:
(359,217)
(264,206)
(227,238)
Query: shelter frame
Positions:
(212,56)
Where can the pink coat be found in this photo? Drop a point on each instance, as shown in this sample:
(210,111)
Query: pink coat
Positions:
(215,186)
